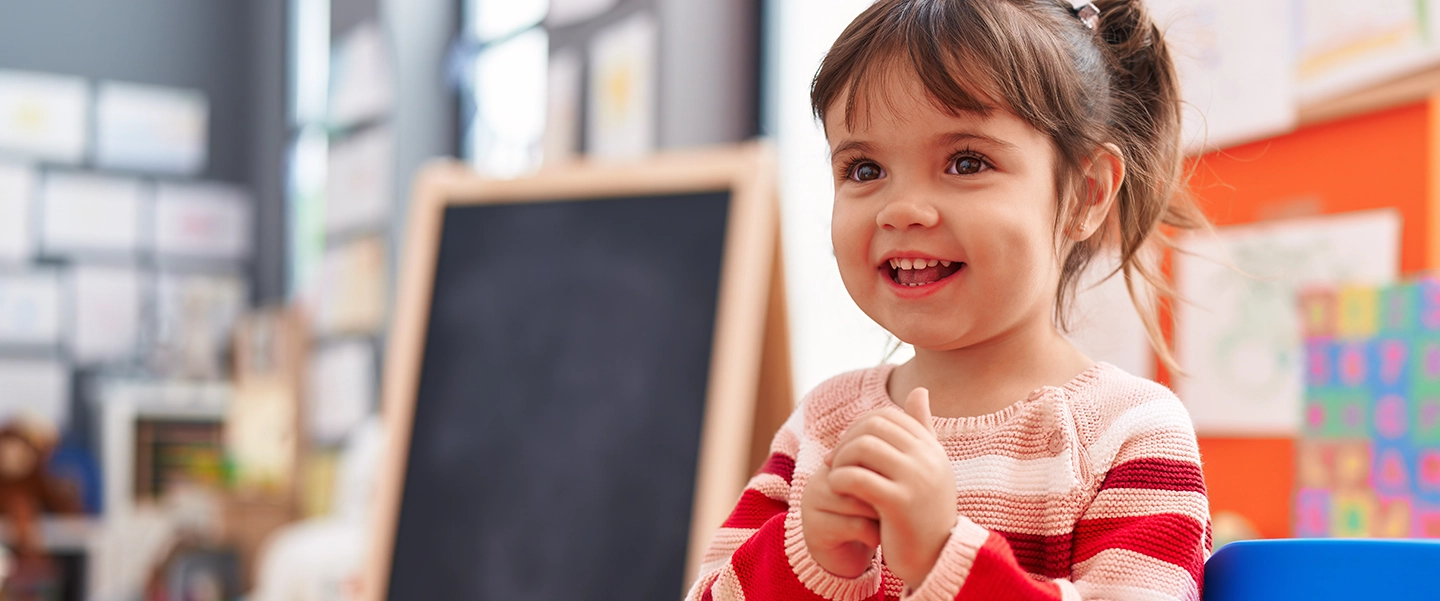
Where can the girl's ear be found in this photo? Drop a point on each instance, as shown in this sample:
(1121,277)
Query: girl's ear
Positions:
(1102,175)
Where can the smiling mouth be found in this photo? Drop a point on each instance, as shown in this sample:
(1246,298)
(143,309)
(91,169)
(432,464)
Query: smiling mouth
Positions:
(921,272)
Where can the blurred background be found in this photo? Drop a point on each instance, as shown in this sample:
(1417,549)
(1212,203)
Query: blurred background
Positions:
(202,205)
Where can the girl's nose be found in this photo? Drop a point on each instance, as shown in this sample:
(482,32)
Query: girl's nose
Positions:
(905,211)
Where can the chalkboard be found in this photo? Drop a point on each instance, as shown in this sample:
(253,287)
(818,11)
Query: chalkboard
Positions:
(572,377)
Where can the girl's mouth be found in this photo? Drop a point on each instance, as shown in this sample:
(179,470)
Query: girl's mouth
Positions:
(922,272)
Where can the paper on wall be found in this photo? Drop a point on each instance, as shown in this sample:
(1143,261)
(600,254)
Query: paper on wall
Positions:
(360,181)
(195,316)
(1233,59)
(85,213)
(494,19)
(38,388)
(149,128)
(107,313)
(350,291)
(621,118)
(30,309)
(362,85)
(17,192)
(1346,46)
(210,221)
(341,390)
(1239,338)
(43,116)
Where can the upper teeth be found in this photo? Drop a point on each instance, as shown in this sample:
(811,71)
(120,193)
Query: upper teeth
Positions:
(916,263)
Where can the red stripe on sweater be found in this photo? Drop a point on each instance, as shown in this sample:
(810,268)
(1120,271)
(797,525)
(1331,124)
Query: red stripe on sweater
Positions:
(1156,473)
(1168,537)
(708,596)
(753,510)
(995,575)
(764,570)
(1047,556)
(780,465)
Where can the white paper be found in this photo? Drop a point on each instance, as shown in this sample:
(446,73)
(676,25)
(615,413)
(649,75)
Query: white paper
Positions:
(39,388)
(30,309)
(508,132)
(1240,340)
(350,294)
(43,116)
(1235,66)
(363,80)
(195,318)
(1104,323)
(360,181)
(568,12)
(1346,46)
(85,213)
(622,117)
(211,221)
(342,389)
(562,107)
(148,128)
(107,313)
(17,193)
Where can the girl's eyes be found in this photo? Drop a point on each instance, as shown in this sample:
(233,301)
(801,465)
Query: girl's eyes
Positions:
(966,164)
(864,171)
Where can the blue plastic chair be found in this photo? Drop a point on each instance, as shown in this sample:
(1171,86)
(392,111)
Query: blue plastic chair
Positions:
(1324,569)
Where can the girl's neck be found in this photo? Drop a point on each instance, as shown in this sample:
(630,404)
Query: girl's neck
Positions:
(991,375)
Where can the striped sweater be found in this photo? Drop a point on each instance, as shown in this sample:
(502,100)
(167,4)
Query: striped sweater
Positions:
(1091,490)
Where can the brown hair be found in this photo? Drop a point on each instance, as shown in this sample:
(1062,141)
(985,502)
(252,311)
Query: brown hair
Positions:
(1083,88)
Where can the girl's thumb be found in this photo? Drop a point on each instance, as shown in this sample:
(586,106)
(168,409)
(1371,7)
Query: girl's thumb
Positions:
(917,405)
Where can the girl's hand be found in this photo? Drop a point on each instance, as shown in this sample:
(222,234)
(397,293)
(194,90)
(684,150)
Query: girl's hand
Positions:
(892,461)
(840,532)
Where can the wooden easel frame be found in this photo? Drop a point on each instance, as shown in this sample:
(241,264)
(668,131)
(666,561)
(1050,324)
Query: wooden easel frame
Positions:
(734,433)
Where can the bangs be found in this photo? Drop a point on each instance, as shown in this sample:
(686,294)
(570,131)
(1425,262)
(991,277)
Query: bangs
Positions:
(970,56)
(953,73)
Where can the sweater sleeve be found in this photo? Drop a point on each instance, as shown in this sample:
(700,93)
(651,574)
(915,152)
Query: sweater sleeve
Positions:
(759,552)
(1146,534)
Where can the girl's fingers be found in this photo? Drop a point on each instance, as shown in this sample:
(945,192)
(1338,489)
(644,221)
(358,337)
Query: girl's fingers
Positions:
(866,486)
(866,531)
(879,456)
(917,406)
(887,425)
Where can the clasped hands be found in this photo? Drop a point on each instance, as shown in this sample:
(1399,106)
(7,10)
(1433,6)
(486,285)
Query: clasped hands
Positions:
(887,482)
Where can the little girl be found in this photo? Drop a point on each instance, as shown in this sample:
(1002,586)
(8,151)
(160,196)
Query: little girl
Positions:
(983,152)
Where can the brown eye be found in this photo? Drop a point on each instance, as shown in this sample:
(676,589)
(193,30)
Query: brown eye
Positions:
(865,172)
(967,165)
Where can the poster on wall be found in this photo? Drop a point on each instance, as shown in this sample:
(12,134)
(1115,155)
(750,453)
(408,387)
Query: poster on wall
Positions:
(1239,334)
(106,313)
(1104,323)
(207,221)
(622,116)
(83,213)
(341,389)
(362,78)
(37,388)
(1234,61)
(360,181)
(1345,46)
(17,191)
(43,116)
(152,129)
(31,304)
(1368,460)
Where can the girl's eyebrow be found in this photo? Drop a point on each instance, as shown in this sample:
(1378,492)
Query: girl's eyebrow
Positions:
(953,138)
(850,145)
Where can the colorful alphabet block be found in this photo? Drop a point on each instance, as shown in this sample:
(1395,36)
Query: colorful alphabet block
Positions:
(1368,462)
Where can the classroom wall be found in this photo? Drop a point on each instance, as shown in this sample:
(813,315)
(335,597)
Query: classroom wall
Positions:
(231,51)
(1370,161)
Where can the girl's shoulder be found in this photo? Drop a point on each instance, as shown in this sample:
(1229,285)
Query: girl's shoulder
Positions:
(1115,406)
(833,404)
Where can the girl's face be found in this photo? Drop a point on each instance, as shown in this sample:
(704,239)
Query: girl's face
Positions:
(944,225)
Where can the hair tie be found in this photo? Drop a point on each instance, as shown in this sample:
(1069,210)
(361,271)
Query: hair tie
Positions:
(1086,12)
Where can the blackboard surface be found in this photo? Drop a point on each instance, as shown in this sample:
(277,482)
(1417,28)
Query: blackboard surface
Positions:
(557,422)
